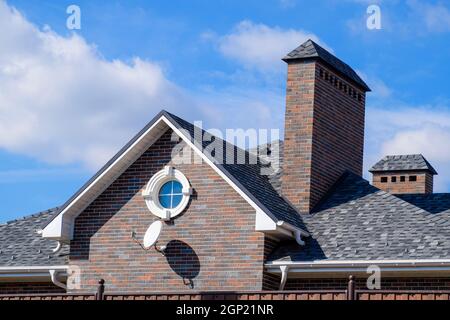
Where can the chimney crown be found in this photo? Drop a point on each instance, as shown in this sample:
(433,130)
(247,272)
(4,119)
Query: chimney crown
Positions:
(409,162)
(311,50)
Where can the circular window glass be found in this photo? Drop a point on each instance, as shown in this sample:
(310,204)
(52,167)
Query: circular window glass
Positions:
(170,194)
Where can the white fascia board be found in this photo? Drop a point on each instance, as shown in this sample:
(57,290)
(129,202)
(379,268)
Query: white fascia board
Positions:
(263,222)
(266,224)
(54,229)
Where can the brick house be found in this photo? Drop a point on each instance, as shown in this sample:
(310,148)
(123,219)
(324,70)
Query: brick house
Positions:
(230,221)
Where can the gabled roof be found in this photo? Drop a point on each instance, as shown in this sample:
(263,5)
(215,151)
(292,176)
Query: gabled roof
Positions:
(357,221)
(22,245)
(247,178)
(311,50)
(410,162)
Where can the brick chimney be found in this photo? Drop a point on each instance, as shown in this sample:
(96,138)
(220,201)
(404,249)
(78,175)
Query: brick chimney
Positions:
(324,124)
(403,174)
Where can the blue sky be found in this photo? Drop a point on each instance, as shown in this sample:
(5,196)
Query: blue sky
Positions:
(69,100)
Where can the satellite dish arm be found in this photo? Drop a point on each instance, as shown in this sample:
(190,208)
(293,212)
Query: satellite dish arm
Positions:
(160,249)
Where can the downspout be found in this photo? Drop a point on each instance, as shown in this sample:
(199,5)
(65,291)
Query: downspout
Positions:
(58,248)
(297,233)
(56,282)
(284,276)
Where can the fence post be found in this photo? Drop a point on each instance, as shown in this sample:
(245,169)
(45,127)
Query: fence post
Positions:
(100,290)
(351,288)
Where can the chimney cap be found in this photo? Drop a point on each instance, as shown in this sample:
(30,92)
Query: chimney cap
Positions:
(408,162)
(311,50)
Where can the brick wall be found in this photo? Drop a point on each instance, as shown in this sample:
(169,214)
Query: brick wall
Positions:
(324,132)
(400,182)
(212,243)
(29,288)
(386,284)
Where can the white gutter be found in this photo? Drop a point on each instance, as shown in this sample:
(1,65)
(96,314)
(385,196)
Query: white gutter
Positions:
(297,233)
(17,273)
(31,269)
(56,282)
(336,266)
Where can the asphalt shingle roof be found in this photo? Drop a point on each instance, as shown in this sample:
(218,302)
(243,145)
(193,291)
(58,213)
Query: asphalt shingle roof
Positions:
(410,162)
(360,222)
(22,245)
(310,49)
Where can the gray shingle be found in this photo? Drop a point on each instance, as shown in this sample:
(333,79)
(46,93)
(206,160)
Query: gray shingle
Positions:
(360,222)
(311,50)
(410,162)
(22,245)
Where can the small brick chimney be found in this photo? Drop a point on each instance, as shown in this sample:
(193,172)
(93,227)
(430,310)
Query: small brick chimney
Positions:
(403,174)
(324,124)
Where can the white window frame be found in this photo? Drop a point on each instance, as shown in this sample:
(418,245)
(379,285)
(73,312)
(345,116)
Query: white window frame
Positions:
(151,193)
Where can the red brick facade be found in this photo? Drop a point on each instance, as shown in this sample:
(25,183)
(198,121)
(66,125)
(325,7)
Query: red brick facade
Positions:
(403,182)
(324,132)
(213,242)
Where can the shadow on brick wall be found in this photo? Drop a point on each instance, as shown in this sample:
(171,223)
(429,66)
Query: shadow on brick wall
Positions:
(183,261)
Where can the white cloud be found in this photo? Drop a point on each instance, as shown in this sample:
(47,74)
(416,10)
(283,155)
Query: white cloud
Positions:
(261,47)
(61,102)
(410,130)
(431,17)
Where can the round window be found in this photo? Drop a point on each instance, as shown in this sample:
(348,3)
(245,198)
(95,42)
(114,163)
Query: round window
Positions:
(167,193)
(170,194)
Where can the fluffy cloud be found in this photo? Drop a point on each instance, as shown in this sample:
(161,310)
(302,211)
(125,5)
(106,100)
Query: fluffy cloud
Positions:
(408,130)
(62,102)
(260,46)
(58,96)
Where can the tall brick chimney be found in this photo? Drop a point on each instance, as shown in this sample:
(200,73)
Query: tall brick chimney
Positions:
(324,124)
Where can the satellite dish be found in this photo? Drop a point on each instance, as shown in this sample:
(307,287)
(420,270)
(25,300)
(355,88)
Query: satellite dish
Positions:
(152,234)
